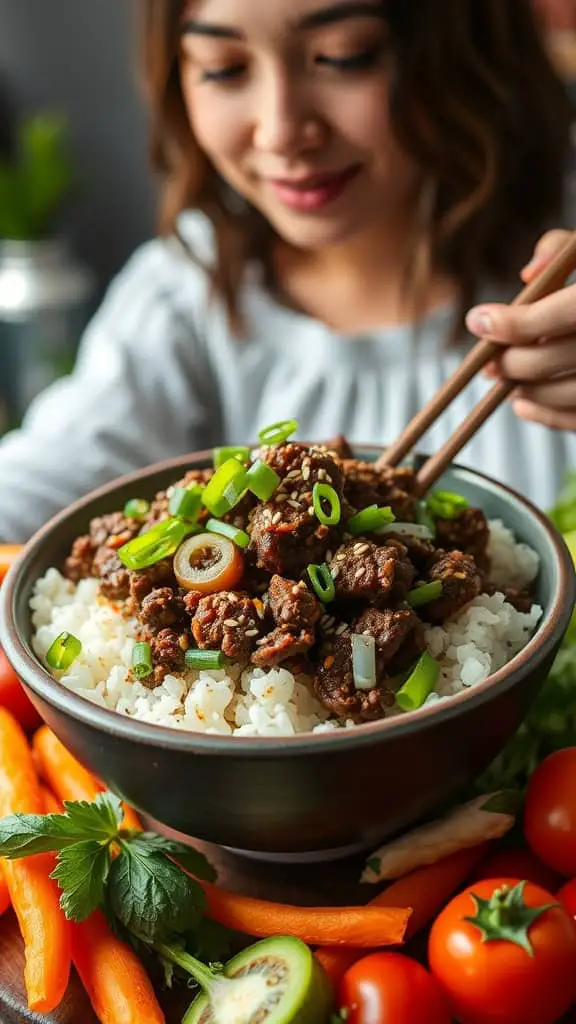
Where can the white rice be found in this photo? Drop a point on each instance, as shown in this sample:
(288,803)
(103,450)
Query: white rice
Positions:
(472,645)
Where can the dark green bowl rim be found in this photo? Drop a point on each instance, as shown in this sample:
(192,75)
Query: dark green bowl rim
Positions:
(40,682)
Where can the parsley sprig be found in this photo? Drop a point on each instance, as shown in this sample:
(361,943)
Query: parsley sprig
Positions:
(135,877)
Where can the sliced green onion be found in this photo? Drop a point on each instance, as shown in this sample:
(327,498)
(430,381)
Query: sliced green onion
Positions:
(321,579)
(424,518)
(227,530)
(221,455)
(63,652)
(161,541)
(262,480)
(446,504)
(420,596)
(276,433)
(420,683)
(225,488)
(370,519)
(186,502)
(136,508)
(409,530)
(324,492)
(204,659)
(364,661)
(142,660)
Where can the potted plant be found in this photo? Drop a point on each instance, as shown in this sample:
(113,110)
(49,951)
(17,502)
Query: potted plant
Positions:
(44,294)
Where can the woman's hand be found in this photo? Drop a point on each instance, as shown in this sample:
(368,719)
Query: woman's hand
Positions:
(538,345)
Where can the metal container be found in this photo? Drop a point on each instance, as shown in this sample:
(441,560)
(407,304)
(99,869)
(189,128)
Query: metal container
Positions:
(45,302)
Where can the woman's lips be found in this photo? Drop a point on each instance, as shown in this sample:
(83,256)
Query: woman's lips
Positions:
(314,192)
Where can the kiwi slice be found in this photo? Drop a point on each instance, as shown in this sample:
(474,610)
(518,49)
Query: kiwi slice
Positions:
(275,981)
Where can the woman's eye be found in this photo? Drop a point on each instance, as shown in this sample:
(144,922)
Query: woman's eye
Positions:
(359,61)
(223,74)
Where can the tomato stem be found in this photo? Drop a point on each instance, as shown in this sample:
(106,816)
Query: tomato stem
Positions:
(506,917)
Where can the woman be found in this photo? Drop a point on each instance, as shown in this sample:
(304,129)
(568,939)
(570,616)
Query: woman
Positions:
(356,173)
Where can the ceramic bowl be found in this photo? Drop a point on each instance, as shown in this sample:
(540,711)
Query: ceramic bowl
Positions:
(305,796)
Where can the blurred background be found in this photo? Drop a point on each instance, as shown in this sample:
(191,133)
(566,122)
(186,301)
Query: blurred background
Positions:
(70,109)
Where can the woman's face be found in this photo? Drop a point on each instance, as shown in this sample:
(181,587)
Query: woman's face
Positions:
(289,100)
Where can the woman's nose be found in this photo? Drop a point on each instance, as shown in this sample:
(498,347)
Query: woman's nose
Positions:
(286,121)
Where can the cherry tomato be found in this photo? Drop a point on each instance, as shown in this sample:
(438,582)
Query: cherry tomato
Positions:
(567,897)
(13,696)
(550,811)
(521,864)
(389,988)
(499,981)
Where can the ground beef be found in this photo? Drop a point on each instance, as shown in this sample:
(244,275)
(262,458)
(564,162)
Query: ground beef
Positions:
(168,648)
(398,633)
(114,576)
(292,604)
(461,583)
(143,581)
(285,533)
(78,565)
(469,532)
(163,607)
(335,689)
(227,622)
(420,551)
(365,485)
(281,645)
(372,572)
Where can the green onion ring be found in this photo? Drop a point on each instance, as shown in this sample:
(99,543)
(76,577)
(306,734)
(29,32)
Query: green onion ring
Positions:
(262,480)
(446,504)
(63,652)
(224,490)
(321,579)
(239,537)
(420,683)
(327,493)
(221,455)
(276,433)
(420,596)
(142,660)
(369,519)
(194,658)
(186,502)
(136,508)
(160,541)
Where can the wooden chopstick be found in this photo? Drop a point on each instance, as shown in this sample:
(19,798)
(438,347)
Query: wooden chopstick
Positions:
(549,280)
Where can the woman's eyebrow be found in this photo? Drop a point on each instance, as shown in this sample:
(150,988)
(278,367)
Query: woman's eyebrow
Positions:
(341,11)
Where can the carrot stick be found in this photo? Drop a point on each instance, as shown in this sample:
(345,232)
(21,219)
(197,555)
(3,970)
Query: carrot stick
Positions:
(33,894)
(331,926)
(115,980)
(425,890)
(66,776)
(8,555)
(50,803)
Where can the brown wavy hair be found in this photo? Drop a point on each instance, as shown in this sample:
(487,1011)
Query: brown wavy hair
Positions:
(474,100)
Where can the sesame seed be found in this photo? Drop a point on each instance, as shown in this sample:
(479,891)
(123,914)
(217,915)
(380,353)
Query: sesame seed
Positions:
(321,474)
(294,495)
(341,628)
(328,477)
(359,572)
(311,511)
(232,598)
(251,632)
(279,498)
(276,518)
(361,548)
(334,572)
(306,472)
(341,556)
(296,591)
(293,504)
(232,623)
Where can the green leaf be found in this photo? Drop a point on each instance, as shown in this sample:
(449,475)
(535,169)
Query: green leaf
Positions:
(187,856)
(373,863)
(506,801)
(22,835)
(81,873)
(150,894)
